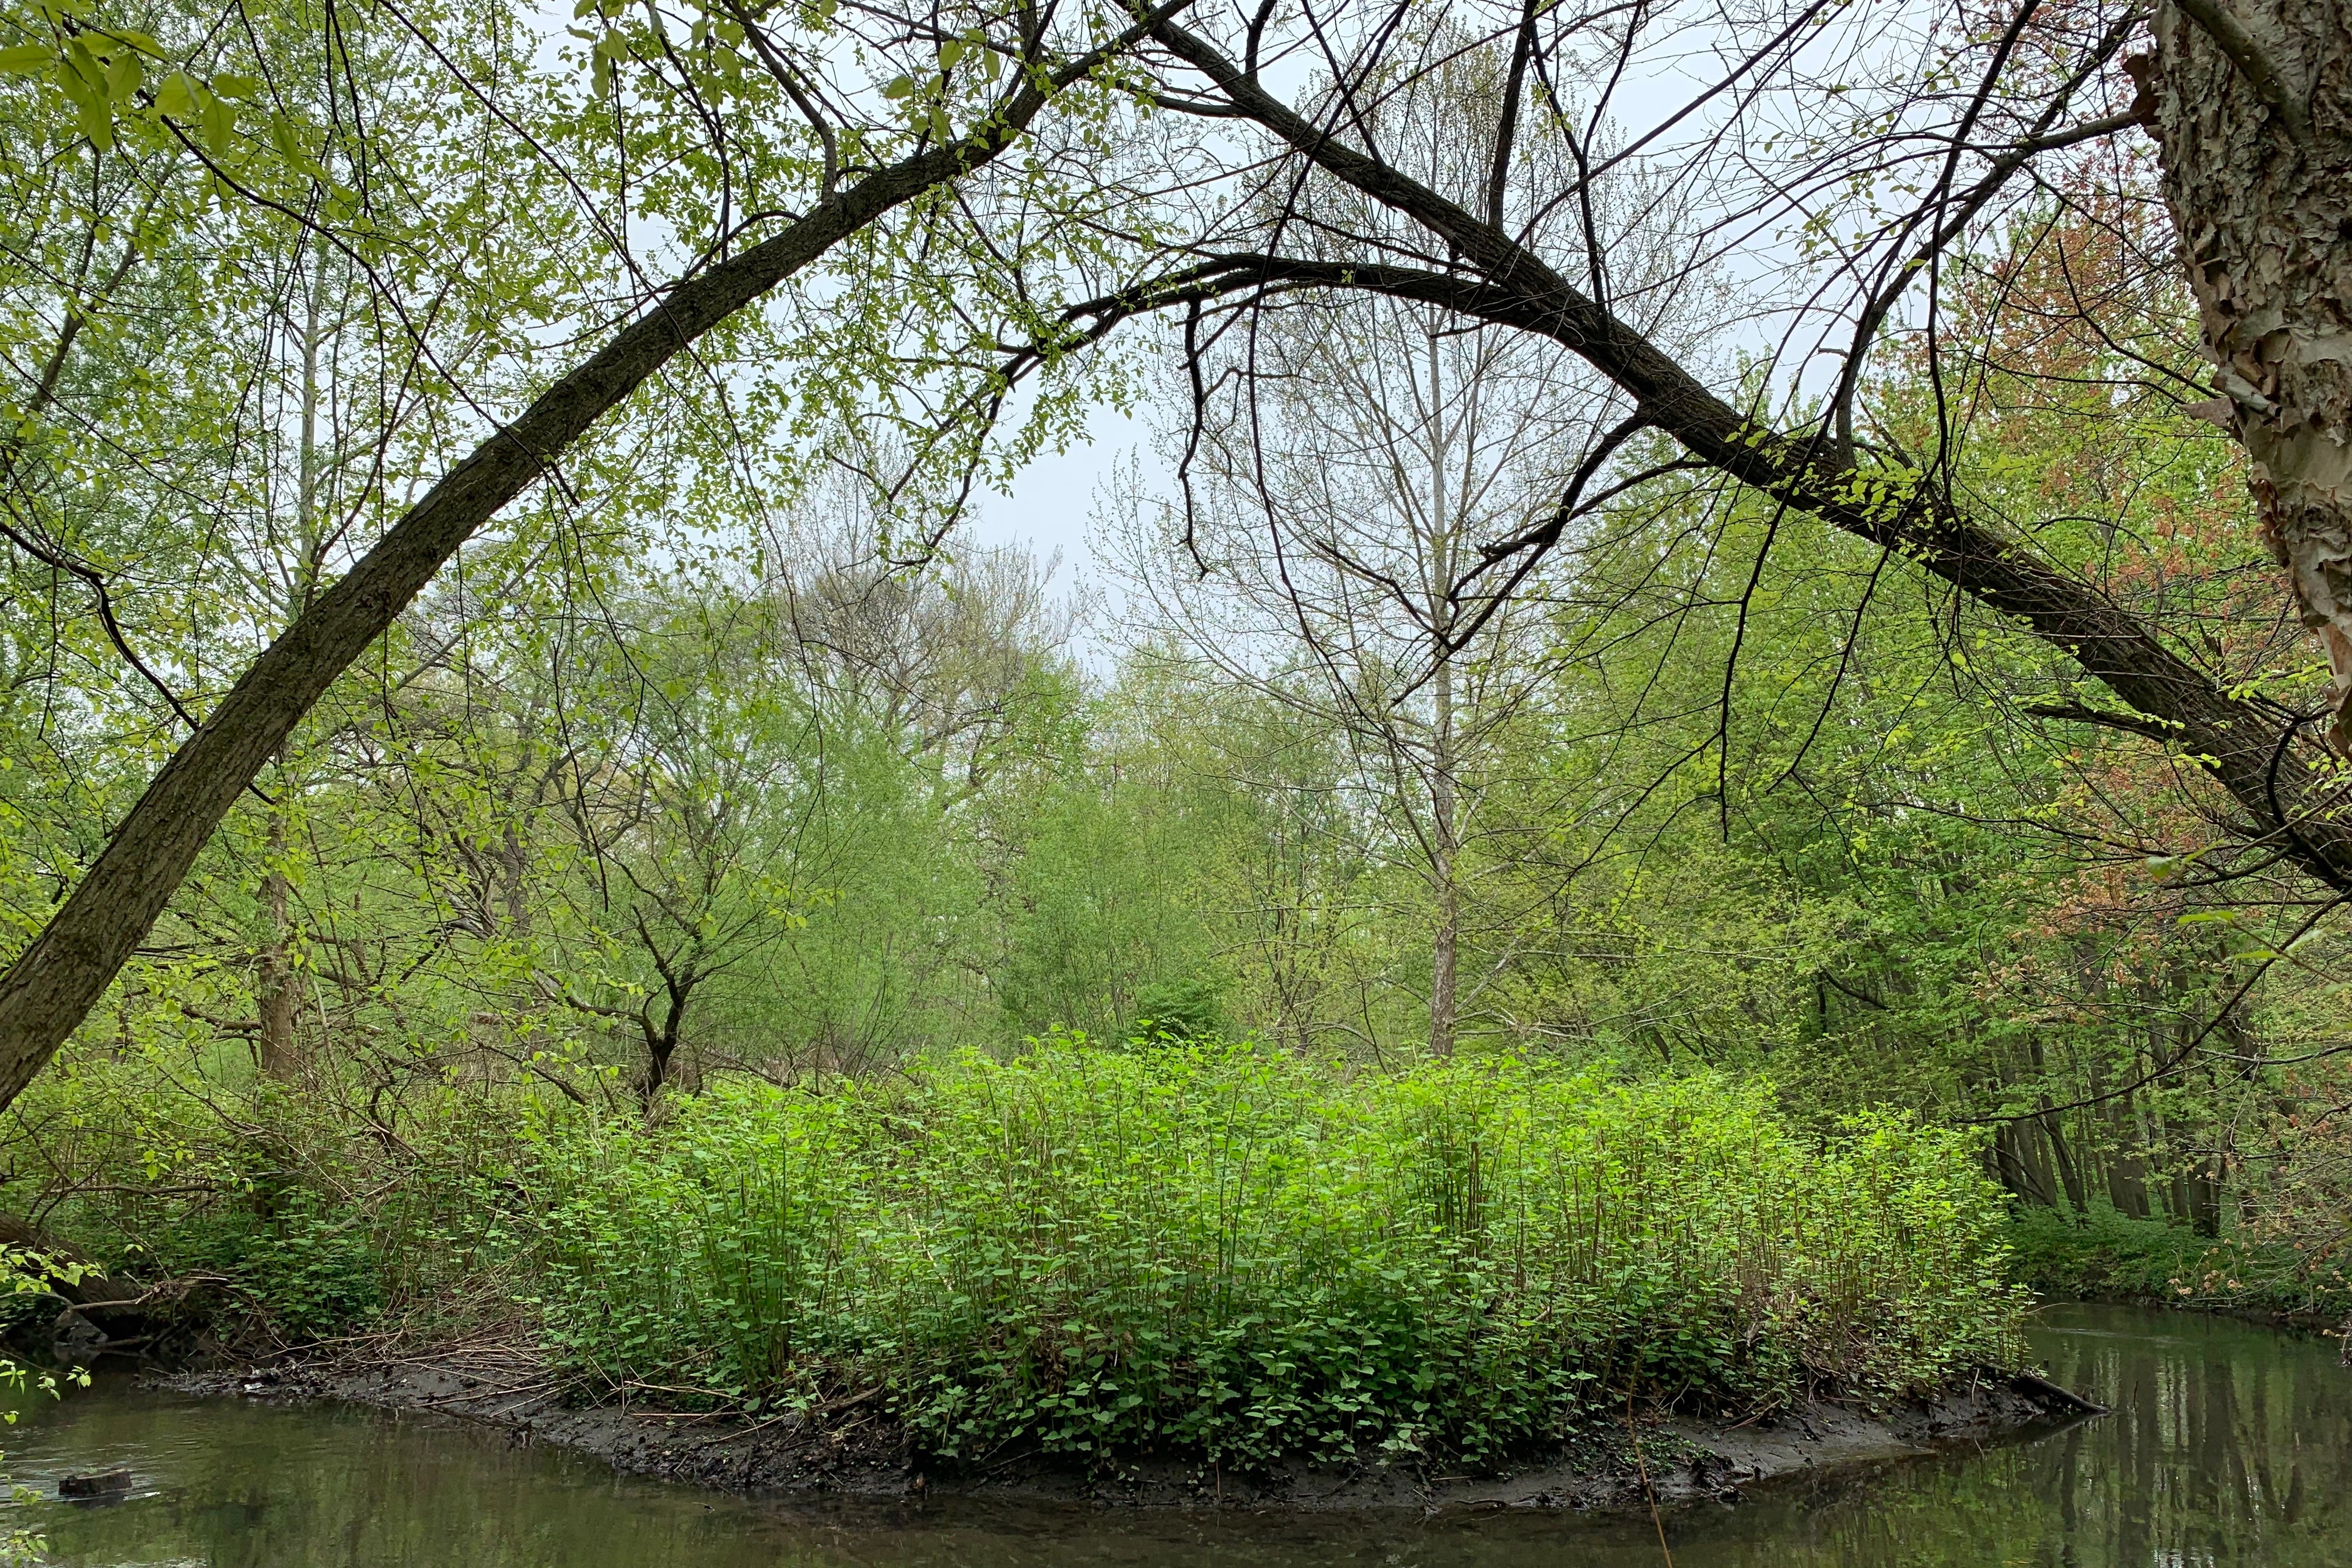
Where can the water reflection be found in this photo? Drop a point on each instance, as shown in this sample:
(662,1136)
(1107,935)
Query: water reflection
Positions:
(2229,1445)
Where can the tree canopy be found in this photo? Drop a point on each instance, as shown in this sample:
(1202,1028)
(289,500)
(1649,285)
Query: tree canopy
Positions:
(1804,539)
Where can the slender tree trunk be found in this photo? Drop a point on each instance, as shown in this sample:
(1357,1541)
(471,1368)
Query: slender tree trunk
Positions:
(1444,801)
(58,978)
(310,531)
(281,1055)
(2127,1187)
(2150,1147)
(279,1047)
(2205,1182)
(2070,1175)
(2252,112)
(1443,848)
(2034,1154)
(2015,1165)
(2127,1168)
(2176,1180)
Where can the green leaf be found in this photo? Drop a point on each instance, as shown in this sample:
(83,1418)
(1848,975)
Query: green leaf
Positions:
(78,67)
(281,136)
(123,79)
(178,96)
(26,60)
(216,125)
(97,122)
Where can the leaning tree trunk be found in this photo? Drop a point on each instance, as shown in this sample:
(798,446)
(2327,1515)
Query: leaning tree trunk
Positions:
(2253,121)
(55,982)
(1494,276)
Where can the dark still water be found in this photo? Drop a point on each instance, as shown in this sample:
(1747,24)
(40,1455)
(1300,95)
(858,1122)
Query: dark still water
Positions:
(2229,1445)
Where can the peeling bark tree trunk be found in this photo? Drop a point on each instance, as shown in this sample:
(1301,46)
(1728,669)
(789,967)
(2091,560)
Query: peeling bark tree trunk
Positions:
(2253,121)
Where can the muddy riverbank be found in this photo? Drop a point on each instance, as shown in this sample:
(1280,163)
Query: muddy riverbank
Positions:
(854,1450)
(2228,1446)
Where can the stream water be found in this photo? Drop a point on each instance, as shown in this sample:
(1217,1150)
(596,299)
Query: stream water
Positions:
(2227,1444)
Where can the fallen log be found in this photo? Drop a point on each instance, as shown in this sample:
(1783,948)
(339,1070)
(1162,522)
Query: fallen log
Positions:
(2034,1386)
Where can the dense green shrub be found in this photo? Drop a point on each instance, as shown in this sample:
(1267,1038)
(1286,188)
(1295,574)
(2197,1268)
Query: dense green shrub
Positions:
(1181,1010)
(1200,1249)
(317,1220)
(1222,1252)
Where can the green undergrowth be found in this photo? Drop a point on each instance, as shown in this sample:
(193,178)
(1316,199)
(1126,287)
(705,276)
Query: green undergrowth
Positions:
(1204,1251)
(1218,1252)
(2106,1256)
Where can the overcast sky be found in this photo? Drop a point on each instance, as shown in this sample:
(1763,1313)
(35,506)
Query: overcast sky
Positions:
(1051,512)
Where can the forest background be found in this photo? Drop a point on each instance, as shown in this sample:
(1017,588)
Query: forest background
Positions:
(721,758)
